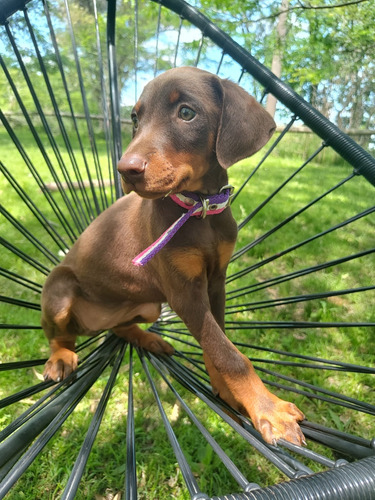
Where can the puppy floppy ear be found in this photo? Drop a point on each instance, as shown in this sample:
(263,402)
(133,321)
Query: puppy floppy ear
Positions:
(245,126)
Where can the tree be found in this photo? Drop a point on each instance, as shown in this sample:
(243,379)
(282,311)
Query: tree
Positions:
(326,48)
(281,33)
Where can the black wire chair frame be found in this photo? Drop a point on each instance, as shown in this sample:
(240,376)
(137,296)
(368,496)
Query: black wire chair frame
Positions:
(79,191)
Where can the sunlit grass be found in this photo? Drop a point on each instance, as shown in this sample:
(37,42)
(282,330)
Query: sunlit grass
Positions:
(158,472)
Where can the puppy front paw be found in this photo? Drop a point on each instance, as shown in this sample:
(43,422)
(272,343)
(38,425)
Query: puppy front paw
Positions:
(60,365)
(279,419)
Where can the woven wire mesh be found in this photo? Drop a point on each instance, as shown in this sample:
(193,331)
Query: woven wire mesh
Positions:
(69,155)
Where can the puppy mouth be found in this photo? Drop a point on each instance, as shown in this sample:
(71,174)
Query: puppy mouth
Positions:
(127,186)
(180,186)
(145,190)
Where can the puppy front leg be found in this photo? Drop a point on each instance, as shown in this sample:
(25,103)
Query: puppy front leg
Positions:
(216,294)
(234,378)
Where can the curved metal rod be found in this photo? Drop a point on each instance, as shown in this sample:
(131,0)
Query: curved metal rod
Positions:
(362,161)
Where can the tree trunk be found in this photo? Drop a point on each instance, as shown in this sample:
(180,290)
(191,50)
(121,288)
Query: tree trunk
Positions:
(281,29)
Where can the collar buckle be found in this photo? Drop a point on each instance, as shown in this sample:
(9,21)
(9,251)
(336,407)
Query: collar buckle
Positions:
(231,192)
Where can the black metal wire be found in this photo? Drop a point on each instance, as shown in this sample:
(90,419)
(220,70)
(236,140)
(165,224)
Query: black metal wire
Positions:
(269,151)
(50,418)
(46,416)
(220,62)
(329,437)
(255,287)
(189,478)
(114,94)
(344,401)
(281,301)
(24,256)
(21,280)
(350,482)
(187,379)
(90,210)
(136,43)
(81,461)
(340,225)
(131,465)
(23,195)
(243,250)
(235,472)
(200,47)
(29,236)
(105,109)
(79,214)
(255,325)
(86,110)
(103,94)
(47,130)
(157,42)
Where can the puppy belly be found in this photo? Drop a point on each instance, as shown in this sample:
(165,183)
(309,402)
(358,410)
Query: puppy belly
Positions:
(93,317)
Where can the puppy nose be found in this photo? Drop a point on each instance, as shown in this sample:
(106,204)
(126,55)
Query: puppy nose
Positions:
(131,166)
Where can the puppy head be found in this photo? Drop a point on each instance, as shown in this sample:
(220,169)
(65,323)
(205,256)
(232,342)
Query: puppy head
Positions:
(189,125)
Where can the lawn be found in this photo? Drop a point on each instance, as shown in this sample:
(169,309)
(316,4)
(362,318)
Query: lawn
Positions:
(158,472)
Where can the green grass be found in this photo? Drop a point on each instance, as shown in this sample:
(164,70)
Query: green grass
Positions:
(158,473)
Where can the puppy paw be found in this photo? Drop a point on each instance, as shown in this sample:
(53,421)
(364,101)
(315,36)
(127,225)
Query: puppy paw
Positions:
(154,343)
(279,419)
(147,340)
(60,365)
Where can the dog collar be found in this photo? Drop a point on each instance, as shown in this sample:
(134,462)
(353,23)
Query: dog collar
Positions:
(197,205)
(204,204)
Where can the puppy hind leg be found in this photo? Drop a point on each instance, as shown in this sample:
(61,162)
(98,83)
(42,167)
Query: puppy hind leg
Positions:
(140,338)
(57,299)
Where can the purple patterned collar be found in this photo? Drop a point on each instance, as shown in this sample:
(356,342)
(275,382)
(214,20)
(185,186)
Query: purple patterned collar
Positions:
(197,205)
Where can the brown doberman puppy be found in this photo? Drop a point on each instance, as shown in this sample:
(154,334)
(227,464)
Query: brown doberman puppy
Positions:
(189,127)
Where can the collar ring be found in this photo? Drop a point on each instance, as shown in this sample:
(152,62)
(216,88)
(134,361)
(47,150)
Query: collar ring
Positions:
(205,206)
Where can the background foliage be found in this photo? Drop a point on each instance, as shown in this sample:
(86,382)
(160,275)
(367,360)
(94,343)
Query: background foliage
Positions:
(327,53)
(327,50)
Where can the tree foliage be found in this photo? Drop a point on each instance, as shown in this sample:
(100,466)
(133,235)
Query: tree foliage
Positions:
(327,53)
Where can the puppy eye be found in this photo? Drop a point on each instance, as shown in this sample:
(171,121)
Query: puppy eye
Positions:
(186,113)
(135,121)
